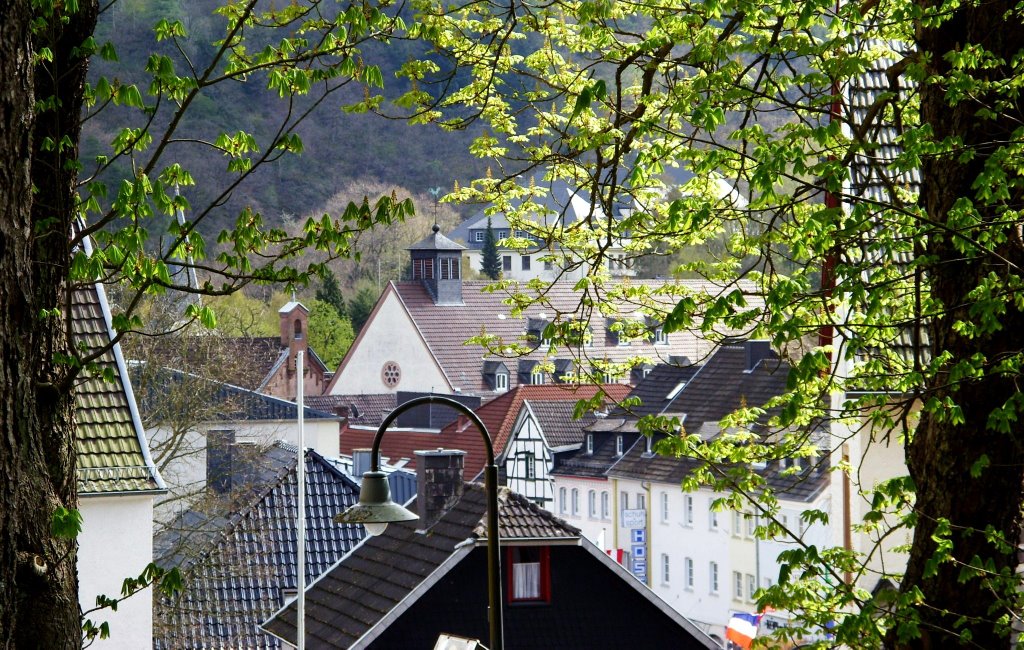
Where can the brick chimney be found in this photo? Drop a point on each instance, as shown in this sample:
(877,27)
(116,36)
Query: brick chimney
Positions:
(439,483)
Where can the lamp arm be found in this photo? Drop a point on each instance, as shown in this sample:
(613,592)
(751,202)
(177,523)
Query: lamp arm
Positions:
(420,401)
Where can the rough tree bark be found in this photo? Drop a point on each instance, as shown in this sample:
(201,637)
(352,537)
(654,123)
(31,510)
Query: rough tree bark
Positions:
(941,454)
(38,584)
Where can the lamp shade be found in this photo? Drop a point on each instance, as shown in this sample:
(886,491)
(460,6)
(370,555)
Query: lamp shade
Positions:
(375,505)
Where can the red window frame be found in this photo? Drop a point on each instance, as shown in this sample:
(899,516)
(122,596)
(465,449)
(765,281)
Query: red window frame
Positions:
(544,553)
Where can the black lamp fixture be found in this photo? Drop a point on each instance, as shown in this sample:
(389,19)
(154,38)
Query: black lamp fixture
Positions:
(376,510)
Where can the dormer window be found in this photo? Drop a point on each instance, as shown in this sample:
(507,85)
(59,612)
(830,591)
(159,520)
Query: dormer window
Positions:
(496,375)
(478,236)
(660,337)
(618,445)
(537,376)
(529,574)
(649,446)
(590,443)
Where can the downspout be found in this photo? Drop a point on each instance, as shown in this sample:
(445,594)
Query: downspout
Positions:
(646,485)
(616,520)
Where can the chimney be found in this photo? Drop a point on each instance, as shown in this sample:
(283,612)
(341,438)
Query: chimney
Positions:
(360,462)
(756,352)
(439,483)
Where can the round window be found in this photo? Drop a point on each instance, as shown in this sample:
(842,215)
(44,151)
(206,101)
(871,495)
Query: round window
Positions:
(391,374)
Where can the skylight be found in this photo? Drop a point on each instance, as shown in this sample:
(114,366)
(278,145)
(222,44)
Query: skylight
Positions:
(675,391)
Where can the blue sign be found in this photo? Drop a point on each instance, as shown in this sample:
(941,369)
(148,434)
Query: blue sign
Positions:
(639,551)
(639,536)
(640,567)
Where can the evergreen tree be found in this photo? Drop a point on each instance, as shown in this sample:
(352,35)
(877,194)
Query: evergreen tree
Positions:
(330,293)
(490,263)
(360,306)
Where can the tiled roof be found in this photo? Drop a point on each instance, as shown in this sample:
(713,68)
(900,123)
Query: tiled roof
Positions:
(381,573)
(110,443)
(654,389)
(555,417)
(445,328)
(232,403)
(737,374)
(241,577)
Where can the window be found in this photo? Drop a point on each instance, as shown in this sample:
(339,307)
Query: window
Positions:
(592,504)
(751,525)
(623,501)
(502,234)
(688,510)
(526,262)
(500,381)
(479,235)
(665,572)
(531,466)
(737,523)
(660,337)
(449,268)
(737,590)
(423,269)
(506,262)
(575,502)
(664,507)
(548,265)
(562,504)
(712,516)
(529,574)
(641,501)
(618,445)
(713,581)
(751,587)
(537,376)
(605,510)
(688,572)
(590,443)
(649,446)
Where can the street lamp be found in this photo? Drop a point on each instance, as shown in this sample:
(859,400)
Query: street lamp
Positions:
(376,510)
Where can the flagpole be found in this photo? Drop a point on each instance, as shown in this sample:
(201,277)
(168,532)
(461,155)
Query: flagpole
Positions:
(300,525)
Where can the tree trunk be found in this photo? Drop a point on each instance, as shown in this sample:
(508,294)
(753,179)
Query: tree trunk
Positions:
(942,453)
(38,583)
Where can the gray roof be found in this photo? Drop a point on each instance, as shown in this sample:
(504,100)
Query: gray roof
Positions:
(435,241)
(241,564)
(361,590)
(226,402)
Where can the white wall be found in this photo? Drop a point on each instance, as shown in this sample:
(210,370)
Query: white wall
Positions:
(591,526)
(390,336)
(116,543)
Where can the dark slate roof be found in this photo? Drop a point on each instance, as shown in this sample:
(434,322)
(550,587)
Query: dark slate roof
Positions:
(579,463)
(401,481)
(445,328)
(111,446)
(384,571)
(555,418)
(654,389)
(435,241)
(227,402)
(359,410)
(240,576)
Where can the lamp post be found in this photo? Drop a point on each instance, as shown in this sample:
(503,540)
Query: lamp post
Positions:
(376,510)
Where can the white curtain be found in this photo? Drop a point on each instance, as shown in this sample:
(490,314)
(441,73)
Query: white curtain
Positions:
(526,580)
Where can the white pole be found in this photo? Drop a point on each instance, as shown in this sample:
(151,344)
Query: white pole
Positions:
(300,532)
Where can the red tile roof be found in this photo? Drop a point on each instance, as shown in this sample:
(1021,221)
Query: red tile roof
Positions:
(498,416)
(445,328)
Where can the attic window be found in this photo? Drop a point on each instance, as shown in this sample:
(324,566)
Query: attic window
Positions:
(500,381)
(660,337)
(529,574)
(537,376)
(675,391)
(618,445)
(590,443)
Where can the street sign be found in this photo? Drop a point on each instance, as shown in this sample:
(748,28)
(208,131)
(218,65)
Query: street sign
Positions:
(639,551)
(634,518)
(638,535)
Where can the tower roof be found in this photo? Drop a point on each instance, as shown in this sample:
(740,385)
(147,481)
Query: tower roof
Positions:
(435,241)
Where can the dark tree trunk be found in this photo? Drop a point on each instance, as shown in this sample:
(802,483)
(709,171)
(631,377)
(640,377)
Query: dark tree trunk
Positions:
(942,453)
(38,583)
